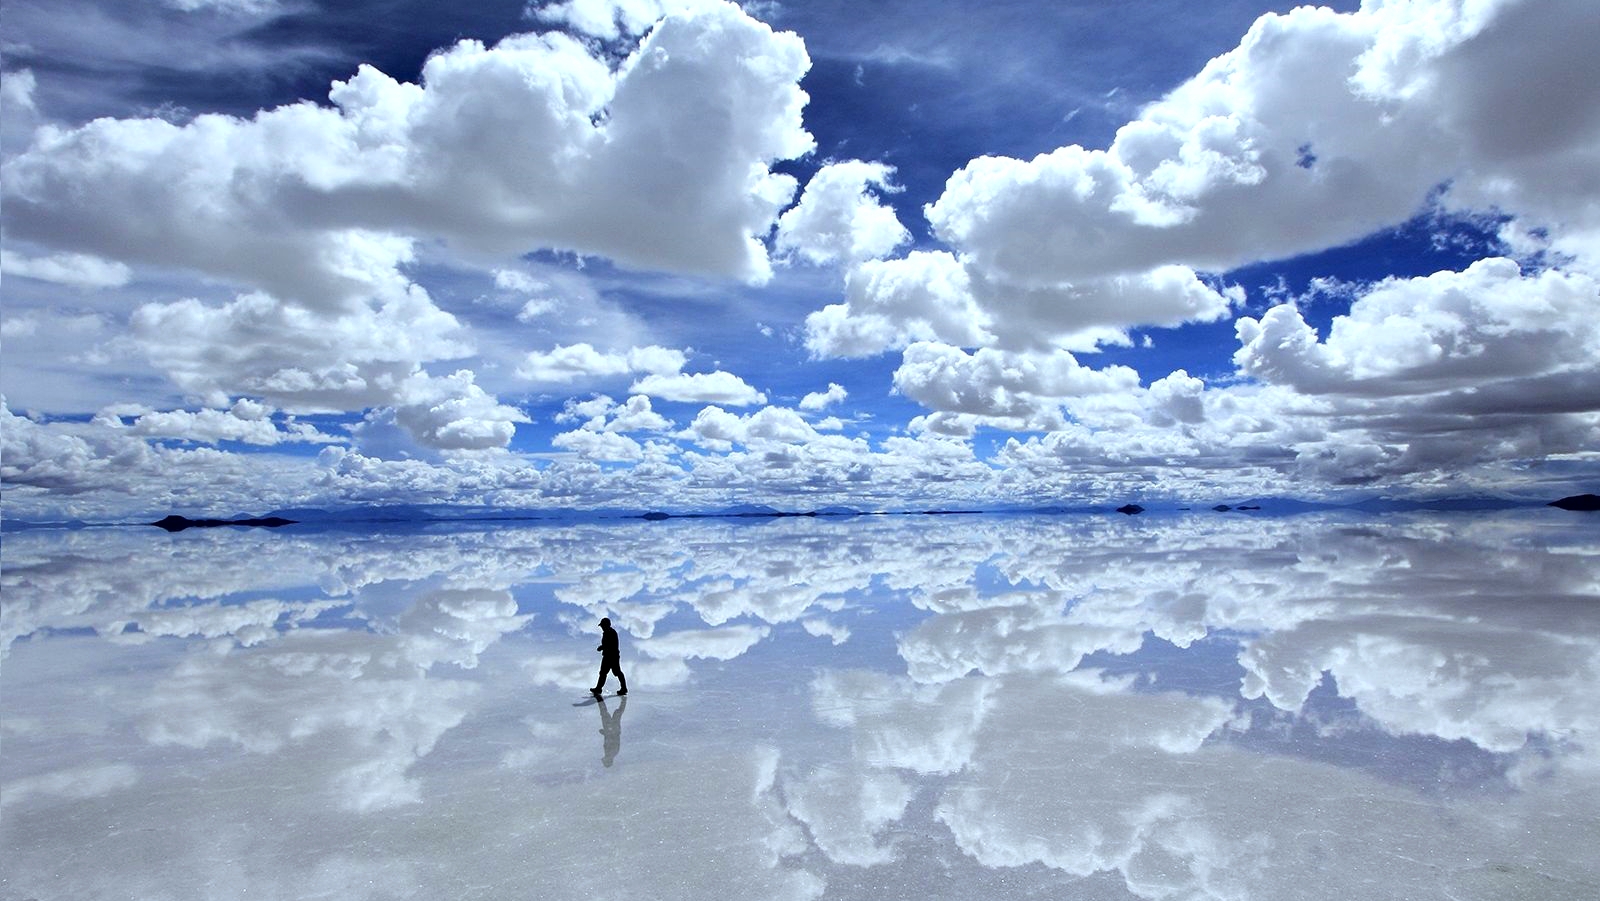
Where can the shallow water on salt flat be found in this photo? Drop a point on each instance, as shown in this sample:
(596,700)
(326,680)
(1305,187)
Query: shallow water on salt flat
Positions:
(1200,706)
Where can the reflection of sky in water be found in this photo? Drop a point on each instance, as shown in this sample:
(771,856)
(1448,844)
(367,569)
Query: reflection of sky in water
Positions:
(964,707)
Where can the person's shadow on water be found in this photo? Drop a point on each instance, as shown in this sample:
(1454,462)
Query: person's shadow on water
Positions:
(611,729)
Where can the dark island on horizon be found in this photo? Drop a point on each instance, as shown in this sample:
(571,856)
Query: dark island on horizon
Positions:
(1585,502)
(176,523)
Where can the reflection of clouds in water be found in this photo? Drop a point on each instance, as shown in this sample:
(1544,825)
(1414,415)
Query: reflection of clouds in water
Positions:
(456,625)
(107,579)
(1087,778)
(569,667)
(775,572)
(402,721)
(312,695)
(1458,628)
(73,782)
(1487,636)
(710,823)
(1011,807)
(248,624)
(822,628)
(1010,638)
(495,832)
(780,571)
(1484,683)
(599,589)
(845,810)
(927,729)
(1411,615)
(319,725)
(345,696)
(724,643)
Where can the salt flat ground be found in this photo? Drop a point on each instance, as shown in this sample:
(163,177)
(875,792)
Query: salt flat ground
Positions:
(1178,706)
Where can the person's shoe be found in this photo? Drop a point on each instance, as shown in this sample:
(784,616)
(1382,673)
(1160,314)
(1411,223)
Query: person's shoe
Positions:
(595,692)
(622,692)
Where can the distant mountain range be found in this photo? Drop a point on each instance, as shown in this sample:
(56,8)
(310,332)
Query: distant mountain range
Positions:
(402,515)
(750,511)
(1274,506)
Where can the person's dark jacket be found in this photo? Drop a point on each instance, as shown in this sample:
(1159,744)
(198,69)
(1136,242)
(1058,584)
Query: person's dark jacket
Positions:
(608,644)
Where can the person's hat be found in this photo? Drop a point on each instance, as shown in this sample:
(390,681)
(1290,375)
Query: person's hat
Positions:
(605,620)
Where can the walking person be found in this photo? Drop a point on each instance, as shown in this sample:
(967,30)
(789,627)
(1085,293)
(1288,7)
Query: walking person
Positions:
(610,659)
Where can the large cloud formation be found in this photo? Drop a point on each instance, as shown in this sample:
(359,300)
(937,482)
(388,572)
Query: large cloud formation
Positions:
(532,143)
(320,248)
(1319,129)
(536,143)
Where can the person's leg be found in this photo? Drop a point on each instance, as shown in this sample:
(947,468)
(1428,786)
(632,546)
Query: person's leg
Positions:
(601,682)
(622,681)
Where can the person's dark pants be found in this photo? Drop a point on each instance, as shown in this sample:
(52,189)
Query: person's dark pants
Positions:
(611,666)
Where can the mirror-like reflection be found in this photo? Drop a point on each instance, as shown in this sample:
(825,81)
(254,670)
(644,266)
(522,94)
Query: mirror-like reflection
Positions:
(1198,706)
(611,728)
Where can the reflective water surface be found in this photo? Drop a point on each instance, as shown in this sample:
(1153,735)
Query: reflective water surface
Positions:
(1198,706)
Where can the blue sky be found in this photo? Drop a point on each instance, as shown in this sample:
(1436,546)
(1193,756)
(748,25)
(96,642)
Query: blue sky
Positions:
(634,253)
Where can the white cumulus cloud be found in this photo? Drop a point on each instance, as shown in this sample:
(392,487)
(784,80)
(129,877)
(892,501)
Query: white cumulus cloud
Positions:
(700,387)
(839,217)
(245,421)
(821,400)
(284,200)
(992,383)
(576,362)
(1448,330)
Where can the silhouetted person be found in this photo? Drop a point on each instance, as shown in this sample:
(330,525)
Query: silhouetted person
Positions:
(611,728)
(610,659)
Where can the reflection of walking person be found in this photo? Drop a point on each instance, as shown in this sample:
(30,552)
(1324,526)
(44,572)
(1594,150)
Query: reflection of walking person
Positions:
(611,728)
(610,659)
